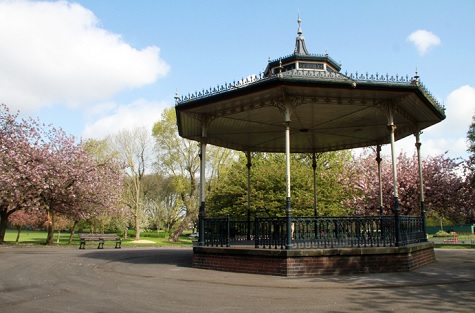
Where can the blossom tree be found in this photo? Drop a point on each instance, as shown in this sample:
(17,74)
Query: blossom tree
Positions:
(21,157)
(43,170)
(21,219)
(75,185)
(447,187)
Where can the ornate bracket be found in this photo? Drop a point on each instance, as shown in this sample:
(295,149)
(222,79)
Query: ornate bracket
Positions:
(286,104)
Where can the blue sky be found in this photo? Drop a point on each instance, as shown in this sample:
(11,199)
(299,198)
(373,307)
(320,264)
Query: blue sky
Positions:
(96,67)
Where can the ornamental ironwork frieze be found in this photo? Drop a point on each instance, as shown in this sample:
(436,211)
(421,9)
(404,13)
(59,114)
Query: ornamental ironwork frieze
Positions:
(284,103)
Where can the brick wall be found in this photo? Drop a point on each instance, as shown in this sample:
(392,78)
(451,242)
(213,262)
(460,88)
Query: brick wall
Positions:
(313,263)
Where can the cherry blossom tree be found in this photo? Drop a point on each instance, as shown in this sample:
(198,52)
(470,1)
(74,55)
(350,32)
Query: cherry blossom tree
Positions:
(75,185)
(21,157)
(447,187)
(43,170)
(22,219)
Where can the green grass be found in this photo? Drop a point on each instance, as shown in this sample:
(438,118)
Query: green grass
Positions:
(453,246)
(35,237)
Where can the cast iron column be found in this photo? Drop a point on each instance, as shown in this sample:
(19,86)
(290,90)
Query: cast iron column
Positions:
(421,183)
(315,211)
(249,164)
(397,220)
(314,166)
(378,159)
(202,210)
(288,244)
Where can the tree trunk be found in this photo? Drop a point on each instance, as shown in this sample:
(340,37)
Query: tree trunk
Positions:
(137,225)
(71,233)
(18,233)
(3,223)
(49,238)
(59,236)
(175,236)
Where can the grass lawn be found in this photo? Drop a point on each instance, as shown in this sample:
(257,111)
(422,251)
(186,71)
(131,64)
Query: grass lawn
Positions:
(453,246)
(36,237)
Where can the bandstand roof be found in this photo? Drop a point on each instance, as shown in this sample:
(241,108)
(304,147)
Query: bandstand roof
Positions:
(329,110)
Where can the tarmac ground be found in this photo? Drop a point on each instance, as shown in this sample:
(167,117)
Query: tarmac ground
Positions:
(54,279)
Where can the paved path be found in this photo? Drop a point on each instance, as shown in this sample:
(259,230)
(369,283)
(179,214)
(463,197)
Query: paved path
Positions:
(43,279)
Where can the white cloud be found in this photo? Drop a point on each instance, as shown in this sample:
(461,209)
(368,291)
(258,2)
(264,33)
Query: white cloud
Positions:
(424,40)
(450,135)
(136,114)
(56,52)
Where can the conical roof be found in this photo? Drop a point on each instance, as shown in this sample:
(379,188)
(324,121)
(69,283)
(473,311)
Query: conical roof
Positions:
(301,59)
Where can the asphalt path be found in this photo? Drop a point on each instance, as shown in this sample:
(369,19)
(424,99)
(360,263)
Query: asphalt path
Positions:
(47,279)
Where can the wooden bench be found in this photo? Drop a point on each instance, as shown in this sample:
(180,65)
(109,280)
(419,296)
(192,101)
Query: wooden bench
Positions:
(83,237)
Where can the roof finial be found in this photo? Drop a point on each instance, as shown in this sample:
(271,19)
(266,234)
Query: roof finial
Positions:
(300,41)
(416,77)
(177,98)
(299,32)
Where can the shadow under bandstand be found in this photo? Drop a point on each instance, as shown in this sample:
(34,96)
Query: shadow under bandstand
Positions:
(302,103)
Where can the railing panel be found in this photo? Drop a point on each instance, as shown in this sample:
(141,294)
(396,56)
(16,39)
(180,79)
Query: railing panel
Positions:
(333,232)
(272,232)
(314,232)
(241,232)
(412,230)
(216,232)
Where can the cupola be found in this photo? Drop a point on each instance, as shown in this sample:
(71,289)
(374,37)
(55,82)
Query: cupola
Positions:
(301,60)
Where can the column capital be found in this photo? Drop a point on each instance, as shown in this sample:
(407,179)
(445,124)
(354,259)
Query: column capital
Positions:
(392,127)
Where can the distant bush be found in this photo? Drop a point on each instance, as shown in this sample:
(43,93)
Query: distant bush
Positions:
(442,233)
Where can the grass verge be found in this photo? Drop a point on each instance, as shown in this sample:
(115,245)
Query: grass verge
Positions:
(38,238)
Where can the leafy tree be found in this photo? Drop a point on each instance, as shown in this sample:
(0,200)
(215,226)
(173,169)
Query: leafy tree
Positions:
(162,203)
(178,158)
(135,149)
(268,183)
(118,218)
(471,147)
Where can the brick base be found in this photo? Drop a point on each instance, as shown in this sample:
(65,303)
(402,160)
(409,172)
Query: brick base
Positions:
(314,262)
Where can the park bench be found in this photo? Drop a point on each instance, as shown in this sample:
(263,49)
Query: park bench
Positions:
(83,237)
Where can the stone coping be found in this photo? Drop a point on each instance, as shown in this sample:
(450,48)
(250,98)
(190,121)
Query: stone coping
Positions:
(281,253)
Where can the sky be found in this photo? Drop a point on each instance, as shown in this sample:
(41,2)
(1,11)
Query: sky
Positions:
(95,67)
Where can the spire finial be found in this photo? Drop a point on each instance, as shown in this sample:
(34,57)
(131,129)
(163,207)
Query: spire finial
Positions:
(300,41)
(415,79)
(299,32)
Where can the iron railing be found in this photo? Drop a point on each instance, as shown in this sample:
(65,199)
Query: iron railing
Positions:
(314,232)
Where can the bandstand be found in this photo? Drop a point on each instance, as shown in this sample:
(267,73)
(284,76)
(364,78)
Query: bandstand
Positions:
(303,103)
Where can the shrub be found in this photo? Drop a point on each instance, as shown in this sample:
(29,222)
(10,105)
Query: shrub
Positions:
(441,233)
